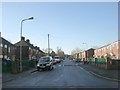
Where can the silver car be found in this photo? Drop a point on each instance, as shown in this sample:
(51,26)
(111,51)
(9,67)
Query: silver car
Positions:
(45,63)
(57,58)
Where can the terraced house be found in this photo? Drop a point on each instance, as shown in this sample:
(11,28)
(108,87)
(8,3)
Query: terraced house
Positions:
(7,49)
(111,50)
(29,52)
(86,55)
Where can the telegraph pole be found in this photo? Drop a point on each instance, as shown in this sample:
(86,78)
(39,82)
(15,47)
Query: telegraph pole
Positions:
(48,46)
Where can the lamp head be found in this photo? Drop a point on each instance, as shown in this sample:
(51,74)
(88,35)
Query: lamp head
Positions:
(31,18)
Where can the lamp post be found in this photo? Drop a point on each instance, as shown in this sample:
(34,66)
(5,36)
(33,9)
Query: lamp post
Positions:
(21,41)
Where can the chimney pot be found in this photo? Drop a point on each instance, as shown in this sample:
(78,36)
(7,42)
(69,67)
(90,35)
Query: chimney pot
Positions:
(23,38)
(28,40)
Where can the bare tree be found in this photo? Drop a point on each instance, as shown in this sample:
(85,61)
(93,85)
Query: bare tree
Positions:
(60,52)
(46,50)
(74,51)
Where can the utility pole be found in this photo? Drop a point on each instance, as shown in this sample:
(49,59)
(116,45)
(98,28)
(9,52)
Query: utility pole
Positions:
(48,46)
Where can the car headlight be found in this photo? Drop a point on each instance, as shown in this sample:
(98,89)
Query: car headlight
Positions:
(38,65)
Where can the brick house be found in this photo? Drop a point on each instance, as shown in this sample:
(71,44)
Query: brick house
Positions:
(89,53)
(29,51)
(85,55)
(112,50)
(25,49)
(80,55)
(38,53)
(7,49)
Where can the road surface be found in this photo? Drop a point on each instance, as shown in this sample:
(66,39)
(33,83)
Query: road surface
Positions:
(64,74)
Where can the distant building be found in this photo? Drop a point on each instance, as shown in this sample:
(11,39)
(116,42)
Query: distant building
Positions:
(89,53)
(111,50)
(83,54)
(80,55)
(7,49)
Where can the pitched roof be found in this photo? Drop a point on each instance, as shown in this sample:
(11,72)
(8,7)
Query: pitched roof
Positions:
(23,43)
(108,44)
(2,40)
(41,51)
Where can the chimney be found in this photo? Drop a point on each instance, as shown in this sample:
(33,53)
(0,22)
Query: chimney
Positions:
(28,40)
(38,48)
(23,38)
(32,45)
(35,47)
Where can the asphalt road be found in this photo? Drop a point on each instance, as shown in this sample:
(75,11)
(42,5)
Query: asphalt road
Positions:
(65,74)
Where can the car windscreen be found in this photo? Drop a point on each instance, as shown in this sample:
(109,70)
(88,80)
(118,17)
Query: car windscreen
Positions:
(45,59)
(56,57)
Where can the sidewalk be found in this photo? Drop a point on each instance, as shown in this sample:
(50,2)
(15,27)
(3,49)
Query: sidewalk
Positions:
(9,77)
(101,72)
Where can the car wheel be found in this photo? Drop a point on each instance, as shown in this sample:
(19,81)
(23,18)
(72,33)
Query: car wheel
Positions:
(50,68)
(38,69)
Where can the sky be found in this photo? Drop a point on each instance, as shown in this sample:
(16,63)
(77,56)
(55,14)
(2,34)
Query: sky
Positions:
(70,24)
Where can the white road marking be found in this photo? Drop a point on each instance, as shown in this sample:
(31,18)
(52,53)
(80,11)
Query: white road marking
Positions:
(59,65)
(54,66)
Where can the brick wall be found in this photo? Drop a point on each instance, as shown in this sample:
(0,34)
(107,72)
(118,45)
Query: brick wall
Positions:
(111,49)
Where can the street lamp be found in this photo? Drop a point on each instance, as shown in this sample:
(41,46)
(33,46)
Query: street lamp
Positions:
(21,40)
(86,45)
(86,51)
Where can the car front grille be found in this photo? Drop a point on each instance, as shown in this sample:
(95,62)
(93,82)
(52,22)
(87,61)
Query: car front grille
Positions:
(42,64)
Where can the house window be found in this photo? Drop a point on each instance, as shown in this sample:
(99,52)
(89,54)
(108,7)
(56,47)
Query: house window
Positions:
(110,47)
(9,49)
(107,47)
(29,48)
(5,56)
(1,45)
(1,56)
(95,51)
(117,46)
(104,48)
(5,46)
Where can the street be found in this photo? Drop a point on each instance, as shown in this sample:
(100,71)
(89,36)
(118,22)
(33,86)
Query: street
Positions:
(65,74)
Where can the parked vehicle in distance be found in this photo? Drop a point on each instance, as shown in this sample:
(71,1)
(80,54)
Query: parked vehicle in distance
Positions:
(57,58)
(45,63)
(54,61)
(78,60)
(62,58)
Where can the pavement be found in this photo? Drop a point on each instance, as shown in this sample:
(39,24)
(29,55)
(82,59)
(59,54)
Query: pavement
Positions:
(101,72)
(6,77)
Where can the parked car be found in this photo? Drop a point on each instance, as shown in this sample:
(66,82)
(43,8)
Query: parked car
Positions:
(62,58)
(78,60)
(57,58)
(45,63)
(54,62)
(86,62)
